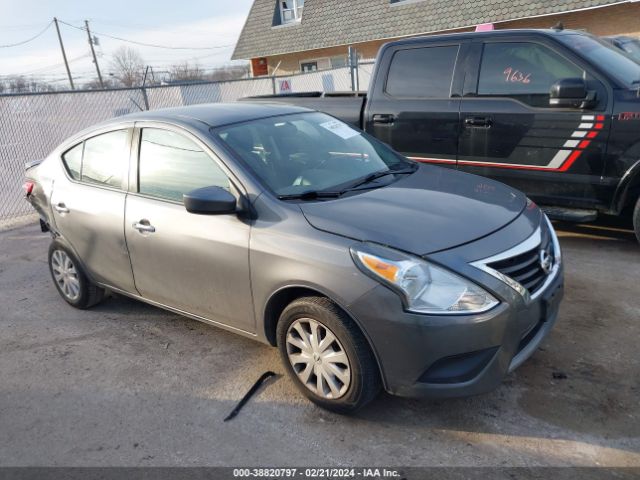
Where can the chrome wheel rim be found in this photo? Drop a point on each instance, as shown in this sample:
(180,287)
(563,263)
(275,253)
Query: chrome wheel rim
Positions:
(65,275)
(318,358)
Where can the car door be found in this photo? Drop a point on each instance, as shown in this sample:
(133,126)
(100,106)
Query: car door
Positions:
(415,109)
(510,132)
(198,264)
(88,205)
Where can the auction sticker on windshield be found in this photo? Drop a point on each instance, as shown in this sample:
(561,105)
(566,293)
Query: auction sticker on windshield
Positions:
(340,129)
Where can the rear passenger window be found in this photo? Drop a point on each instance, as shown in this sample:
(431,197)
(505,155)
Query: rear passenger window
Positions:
(172,165)
(422,72)
(105,159)
(525,71)
(73,161)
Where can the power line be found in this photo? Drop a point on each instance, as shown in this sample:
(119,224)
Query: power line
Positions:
(148,44)
(54,66)
(28,40)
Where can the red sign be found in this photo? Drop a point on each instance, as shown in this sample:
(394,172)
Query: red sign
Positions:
(285,86)
(259,67)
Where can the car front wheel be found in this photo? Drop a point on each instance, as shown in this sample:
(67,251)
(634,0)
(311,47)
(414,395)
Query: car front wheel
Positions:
(70,280)
(326,355)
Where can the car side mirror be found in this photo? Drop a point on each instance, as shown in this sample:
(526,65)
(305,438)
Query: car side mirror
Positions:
(210,201)
(571,93)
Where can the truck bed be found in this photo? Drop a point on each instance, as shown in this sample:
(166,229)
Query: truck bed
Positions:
(347,106)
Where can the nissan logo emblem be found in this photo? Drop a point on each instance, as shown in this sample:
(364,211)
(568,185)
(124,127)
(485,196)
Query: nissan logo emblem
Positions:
(546,261)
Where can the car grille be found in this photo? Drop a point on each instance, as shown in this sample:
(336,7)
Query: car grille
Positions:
(526,268)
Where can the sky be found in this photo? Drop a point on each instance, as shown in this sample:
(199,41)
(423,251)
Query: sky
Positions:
(205,24)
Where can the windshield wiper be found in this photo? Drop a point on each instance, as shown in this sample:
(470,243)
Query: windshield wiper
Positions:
(310,195)
(319,194)
(376,175)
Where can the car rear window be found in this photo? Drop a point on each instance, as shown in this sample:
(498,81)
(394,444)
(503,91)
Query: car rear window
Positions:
(105,159)
(422,72)
(100,160)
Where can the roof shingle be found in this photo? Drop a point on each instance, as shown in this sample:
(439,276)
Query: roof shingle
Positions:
(327,23)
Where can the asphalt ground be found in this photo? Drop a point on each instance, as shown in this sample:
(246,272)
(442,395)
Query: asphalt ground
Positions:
(127,384)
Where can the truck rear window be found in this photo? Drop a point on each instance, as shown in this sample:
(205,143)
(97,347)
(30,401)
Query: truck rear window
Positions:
(422,72)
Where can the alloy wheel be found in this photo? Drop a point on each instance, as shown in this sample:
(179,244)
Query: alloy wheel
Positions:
(65,275)
(318,358)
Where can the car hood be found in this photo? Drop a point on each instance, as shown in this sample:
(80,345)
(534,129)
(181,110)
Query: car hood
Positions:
(431,210)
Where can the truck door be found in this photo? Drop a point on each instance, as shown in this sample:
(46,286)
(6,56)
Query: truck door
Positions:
(510,132)
(415,106)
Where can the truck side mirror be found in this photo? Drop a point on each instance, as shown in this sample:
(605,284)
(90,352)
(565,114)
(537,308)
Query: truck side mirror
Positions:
(571,93)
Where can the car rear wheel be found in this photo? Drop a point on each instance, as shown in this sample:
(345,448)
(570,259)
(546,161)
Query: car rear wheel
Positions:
(636,219)
(326,355)
(70,280)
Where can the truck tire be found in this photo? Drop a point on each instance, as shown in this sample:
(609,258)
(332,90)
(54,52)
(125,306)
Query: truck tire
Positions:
(326,355)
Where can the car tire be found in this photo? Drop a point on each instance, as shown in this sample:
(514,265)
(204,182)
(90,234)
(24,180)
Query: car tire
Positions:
(72,283)
(317,368)
(636,219)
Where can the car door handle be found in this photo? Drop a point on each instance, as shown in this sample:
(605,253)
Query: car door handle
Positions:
(144,226)
(481,122)
(61,208)
(383,118)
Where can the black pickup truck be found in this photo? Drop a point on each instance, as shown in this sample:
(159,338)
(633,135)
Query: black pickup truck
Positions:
(554,113)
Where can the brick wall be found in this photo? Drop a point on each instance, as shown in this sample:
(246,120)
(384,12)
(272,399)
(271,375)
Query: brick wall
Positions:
(615,20)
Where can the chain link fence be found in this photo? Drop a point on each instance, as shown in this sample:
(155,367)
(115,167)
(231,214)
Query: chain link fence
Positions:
(32,125)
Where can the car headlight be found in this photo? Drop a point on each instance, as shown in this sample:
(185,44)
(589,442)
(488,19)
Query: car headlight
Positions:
(424,287)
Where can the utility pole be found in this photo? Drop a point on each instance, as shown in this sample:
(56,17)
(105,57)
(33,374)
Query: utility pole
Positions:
(64,55)
(93,52)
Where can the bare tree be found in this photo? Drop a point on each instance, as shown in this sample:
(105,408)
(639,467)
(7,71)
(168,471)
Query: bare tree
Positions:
(128,66)
(96,85)
(229,72)
(185,72)
(21,84)
(17,84)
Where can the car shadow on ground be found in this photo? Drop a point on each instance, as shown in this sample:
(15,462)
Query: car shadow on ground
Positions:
(580,388)
(616,229)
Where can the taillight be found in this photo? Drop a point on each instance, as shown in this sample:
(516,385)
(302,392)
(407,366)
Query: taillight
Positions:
(28,188)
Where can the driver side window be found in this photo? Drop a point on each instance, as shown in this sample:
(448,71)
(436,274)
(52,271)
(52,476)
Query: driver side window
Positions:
(171,165)
(523,71)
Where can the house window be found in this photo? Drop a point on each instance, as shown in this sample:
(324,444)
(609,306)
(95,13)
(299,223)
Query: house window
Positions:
(291,10)
(309,67)
(338,62)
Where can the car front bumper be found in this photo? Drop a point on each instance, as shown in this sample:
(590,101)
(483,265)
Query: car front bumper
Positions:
(453,356)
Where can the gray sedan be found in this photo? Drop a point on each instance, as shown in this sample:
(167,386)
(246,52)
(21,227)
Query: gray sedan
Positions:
(364,268)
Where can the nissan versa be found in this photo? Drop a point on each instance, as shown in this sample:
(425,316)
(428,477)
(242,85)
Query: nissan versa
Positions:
(365,269)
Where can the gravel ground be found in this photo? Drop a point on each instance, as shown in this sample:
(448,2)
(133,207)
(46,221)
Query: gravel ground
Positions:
(126,384)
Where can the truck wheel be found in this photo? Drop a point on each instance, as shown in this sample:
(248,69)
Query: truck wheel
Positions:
(70,280)
(636,219)
(326,355)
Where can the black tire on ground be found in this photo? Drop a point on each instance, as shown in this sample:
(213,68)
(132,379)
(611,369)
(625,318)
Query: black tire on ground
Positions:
(636,219)
(89,293)
(365,377)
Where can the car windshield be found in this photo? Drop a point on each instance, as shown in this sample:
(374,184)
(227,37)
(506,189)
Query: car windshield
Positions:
(632,47)
(310,152)
(616,63)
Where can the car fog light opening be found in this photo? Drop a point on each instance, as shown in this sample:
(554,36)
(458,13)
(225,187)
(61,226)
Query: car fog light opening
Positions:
(423,286)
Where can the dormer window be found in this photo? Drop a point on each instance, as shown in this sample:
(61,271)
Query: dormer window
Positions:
(291,10)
